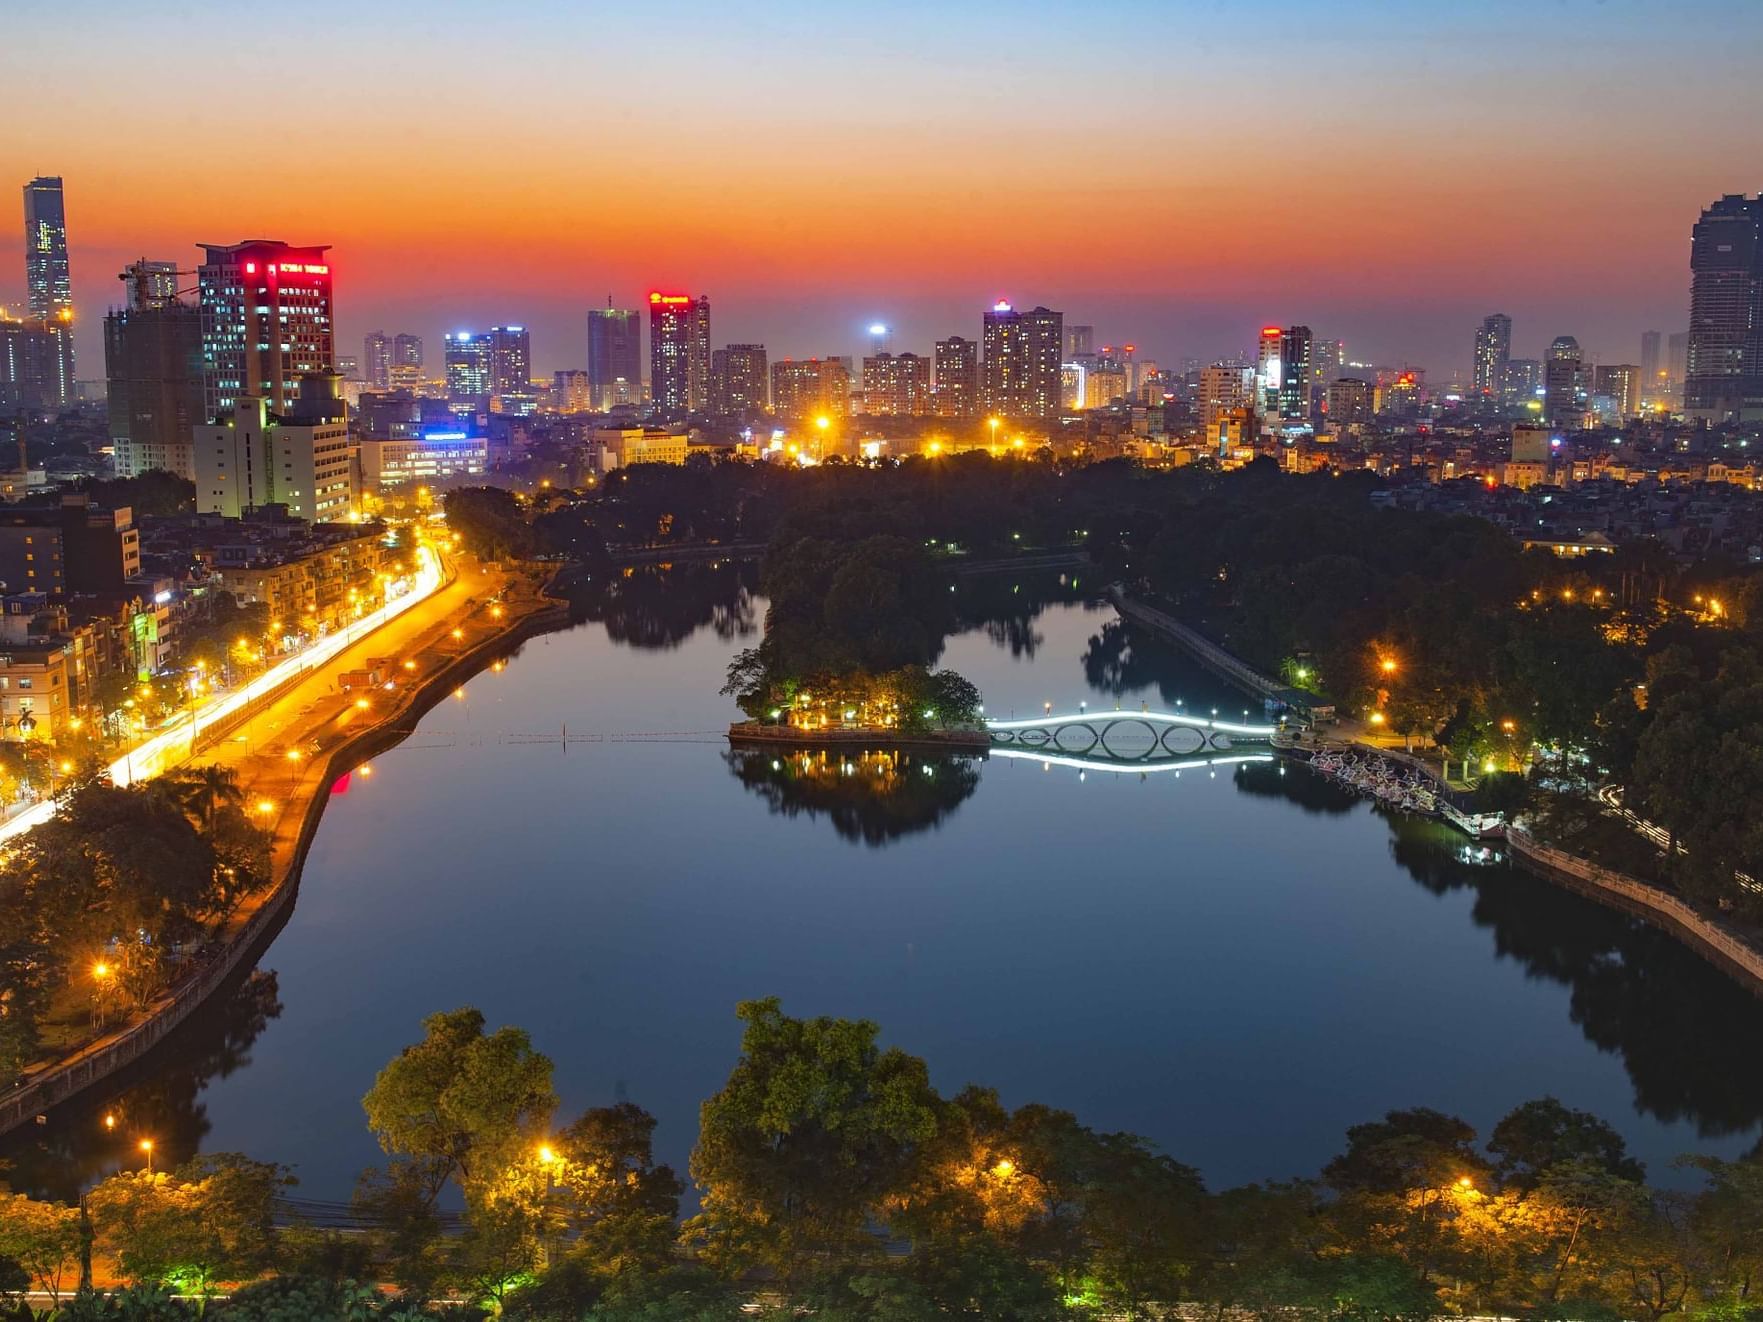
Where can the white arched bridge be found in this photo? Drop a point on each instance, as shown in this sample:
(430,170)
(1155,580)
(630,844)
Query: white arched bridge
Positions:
(1136,739)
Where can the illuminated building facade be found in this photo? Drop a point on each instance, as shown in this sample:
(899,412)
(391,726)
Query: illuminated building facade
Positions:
(896,385)
(48,289)
(1022,357)
(1225,389)
(679,352)
(1493,351)
(434,456)
(955,384)
(570,392)
(1294,387)
(466,358)
(252,457)
(740,381)
(36,363)
(1349,401)
(806,388)
(511,360)
(615,356)
(266,321)
(1267,370)
(1723,374)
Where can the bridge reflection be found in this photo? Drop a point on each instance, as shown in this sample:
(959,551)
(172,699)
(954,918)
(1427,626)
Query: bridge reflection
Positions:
(1131,766)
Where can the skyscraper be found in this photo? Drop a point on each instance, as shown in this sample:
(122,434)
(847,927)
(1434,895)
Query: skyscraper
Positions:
(466,359)
(615,356)
(1020,370)
(1652,383)
(48,291)
(376,359)
(266,321)
(407,351)
(36,363)
(511,359)
(1564,392)
(1724,374)
(1268,376)
(955,388)
(679,352)
(1294,387)
(1493,350)
(739,381)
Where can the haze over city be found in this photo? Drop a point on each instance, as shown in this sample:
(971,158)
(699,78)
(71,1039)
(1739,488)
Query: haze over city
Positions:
(1171,173)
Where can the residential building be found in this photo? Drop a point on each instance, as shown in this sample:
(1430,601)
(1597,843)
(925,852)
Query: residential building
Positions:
(70,547)
(1020,369)
(1564,385)
(376,360)
(266,322)
(896,385)
(1621,384)
(570,392)
(1225,389)
(1493,352)
(739,381)
(1349,401)
(303,461)
(955,383)
(1524,379)
(511,360)
(36,363)
(615,356)
(806,388)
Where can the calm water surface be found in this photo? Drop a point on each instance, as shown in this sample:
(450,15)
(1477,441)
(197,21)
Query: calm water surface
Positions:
(1238,966)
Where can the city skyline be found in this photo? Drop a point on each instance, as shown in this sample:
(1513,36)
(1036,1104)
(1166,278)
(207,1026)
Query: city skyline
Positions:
(1391,232)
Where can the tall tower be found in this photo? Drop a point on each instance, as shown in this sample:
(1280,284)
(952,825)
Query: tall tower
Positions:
(48,291)
(1724,371)
(1564,390)
(511,359)
(1294,387)
(266,321)
(376,359)
(615,356)
(1268,376)
(679,351)
(1493,350)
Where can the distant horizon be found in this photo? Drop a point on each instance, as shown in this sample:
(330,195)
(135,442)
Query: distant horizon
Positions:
(1176,176)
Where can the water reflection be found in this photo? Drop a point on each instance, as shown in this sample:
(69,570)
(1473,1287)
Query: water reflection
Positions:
(1686,1033)
(660,606)
(872,798)
(100,1132)
(1006,606)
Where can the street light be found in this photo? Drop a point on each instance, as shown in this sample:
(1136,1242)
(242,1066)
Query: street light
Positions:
(147,1147)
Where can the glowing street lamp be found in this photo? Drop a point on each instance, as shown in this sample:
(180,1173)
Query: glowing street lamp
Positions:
(147,1147)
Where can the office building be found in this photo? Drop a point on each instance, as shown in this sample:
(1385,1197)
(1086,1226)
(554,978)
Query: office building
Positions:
(1294,388)
(1349,401)
(266,322)
(740,381)
(153,369)
(48,289)
(1620,384)
(805,389)
(252,457)
(615,356)
(570,392)
(466,360)
(1493,352)
(435,454)
(620,447)
(1020,366)
(1268,377)
(679,352)
(376,360)
(1724,371)
(955,378)
(896,385)
(511,360)
(1564,386)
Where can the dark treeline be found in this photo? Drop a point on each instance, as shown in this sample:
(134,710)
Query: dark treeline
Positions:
(834,1181)
(1630,667)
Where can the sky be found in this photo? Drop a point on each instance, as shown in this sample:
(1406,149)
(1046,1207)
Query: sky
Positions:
(1175,174)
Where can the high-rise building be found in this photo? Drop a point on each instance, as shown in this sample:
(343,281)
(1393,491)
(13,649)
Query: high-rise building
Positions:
(615,356)
(1493,350)
(150,283)
(1349,400)
(1326,359)
(153,366)
(739,381)
(807,388)
(48,290)
(1080,341)
(896,385)
(1225,389)
(679,352)
(511,359)
(1652,375)
(266,321)
(1268,376)
(376,360)
(955,387)
(1524,377)
(570,392)
(407,351)
(1677,360)
(36,364)
(1294,388)
(1620,383)
(304,458)
(1724,373)
(466,358)
(1020,370)
(1564,386)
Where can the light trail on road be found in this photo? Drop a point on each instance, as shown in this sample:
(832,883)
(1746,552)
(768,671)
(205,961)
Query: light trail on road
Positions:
(149,758)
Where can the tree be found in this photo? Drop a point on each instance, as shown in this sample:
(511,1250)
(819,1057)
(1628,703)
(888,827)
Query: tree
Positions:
(815,1131)
(462,1105)
(43,1238)
(1542,1134)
